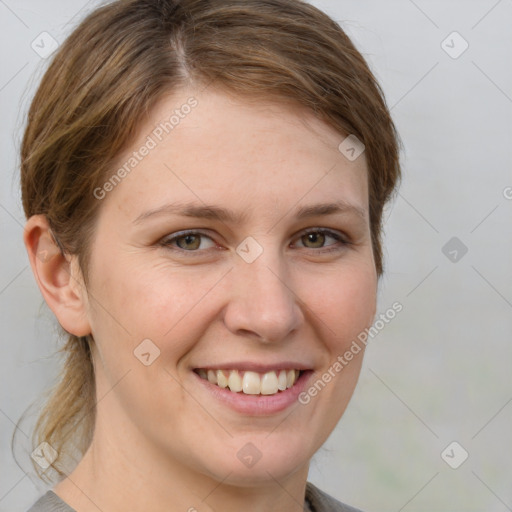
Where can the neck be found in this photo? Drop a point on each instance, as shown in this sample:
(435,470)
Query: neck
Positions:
(119,473)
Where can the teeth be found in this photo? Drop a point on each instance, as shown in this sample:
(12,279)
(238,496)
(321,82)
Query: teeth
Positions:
(251,383)
(282,380)
(269,384)
(212,377)
(235,381)
(222,381)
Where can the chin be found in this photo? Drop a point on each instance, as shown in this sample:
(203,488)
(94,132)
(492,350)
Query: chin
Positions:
(258,460)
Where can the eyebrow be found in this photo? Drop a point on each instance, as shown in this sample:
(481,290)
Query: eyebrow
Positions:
(213,212)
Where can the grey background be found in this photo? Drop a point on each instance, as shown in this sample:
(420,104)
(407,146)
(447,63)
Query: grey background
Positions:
(440,371)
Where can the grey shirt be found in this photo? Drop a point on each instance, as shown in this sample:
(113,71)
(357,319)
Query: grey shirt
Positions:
(316,501)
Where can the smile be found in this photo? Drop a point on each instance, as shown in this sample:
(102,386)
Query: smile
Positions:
(250,382)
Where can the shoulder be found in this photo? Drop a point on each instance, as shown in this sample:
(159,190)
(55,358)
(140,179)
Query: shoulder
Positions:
(322,502)
(50,502)
(319,500)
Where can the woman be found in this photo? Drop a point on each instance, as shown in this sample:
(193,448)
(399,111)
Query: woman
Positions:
(204,184)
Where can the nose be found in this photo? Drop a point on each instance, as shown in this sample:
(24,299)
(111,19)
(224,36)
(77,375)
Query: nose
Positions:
(263,303)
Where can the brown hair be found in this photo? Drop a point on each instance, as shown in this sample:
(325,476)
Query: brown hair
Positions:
(117,64)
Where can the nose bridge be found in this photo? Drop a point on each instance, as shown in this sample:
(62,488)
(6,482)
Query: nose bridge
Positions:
(262,300)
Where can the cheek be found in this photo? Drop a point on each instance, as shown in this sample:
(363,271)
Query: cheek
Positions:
(166,303)
(345,302)
(159,302)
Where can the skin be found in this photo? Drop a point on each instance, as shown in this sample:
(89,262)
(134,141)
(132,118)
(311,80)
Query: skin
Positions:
(161,442)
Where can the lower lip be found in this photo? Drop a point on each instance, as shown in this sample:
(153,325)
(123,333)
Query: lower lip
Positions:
(257,405)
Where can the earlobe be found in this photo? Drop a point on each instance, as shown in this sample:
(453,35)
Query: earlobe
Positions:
(58,277)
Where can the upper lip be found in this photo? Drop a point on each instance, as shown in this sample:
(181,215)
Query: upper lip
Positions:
(256,367)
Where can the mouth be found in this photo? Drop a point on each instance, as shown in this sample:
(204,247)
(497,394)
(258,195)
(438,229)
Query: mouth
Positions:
(250,382)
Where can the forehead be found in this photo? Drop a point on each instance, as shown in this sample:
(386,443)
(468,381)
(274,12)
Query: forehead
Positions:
(215,147)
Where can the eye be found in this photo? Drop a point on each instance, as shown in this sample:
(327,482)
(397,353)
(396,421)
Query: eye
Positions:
(187,241)
(196,241)
(317,238)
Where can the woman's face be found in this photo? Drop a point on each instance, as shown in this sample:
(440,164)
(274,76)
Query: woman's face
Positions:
(201,262)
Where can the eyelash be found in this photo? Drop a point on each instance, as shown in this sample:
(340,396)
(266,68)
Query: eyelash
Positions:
(167,241)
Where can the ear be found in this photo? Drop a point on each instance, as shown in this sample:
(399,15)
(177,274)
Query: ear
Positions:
(58,276)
